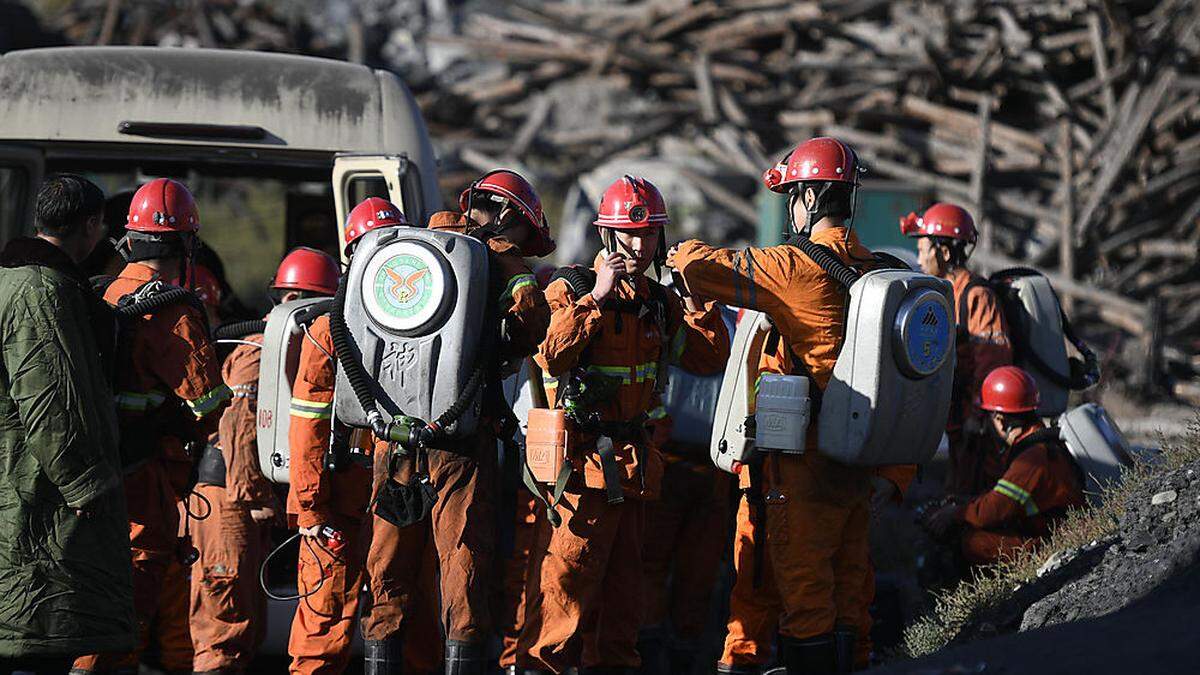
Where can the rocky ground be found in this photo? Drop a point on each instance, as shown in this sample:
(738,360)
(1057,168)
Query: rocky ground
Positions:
(1122,604)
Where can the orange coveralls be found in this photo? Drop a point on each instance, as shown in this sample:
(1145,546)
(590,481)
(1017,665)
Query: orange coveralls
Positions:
(584,597)
(687,532)
(458,540)
(228,611)
(1041,482)
(323,626)
(169,385)
(982,345)
(816,510)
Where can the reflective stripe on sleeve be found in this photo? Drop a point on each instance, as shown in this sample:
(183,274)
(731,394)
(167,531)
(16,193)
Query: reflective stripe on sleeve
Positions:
(211,401)
(312,410)
(517,283)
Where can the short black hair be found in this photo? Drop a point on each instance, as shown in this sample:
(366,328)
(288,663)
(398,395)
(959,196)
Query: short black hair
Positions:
(65,202)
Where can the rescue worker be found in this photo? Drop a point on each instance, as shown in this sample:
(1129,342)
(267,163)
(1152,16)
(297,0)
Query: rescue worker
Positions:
(1041,481)
(169,391)
(502,209)
(228,608)
(815,512)
(170,644)
(687,532)
(946,237)
(65,577)
(585,601)
(329,506)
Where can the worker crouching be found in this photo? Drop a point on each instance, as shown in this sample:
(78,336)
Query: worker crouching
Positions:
(1041,481)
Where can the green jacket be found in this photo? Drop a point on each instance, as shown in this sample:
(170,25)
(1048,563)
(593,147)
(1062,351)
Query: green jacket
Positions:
(65,580)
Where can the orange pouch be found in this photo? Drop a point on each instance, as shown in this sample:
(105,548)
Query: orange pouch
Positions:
(546,443)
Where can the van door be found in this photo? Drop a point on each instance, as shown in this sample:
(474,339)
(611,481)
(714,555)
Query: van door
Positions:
(393,177)
(20,175)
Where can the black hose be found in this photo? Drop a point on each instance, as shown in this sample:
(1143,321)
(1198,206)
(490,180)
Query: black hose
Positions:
(360,381)
(158,301)
(826,260)
(239,329)
(262,573)
(459,407)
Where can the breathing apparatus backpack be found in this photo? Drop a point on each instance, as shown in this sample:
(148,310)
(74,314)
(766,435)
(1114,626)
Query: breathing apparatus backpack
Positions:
(1097,446)
(889,394)
(1039,328)
(407,323)
(734,428)
(284,334)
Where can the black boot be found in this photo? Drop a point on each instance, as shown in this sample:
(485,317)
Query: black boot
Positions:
(845,640)
(465,658)
(382,657)
(726,669)
(810,656)
(651,647)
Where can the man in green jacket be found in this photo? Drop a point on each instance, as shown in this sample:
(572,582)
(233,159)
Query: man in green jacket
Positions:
(65,579)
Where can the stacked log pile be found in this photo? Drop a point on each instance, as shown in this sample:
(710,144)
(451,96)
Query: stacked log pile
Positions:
(1069,126)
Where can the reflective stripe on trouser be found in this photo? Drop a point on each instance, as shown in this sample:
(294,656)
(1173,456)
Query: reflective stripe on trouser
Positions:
(324,623)
(397,608)
(585,587)
(686,534)
(228,610)
(153,527)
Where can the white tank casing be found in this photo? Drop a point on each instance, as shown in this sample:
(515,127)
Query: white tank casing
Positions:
(781,413)
(1097,445)
(282,340)
(732,442)
(889,395)
(415,306)
(1041,315)
(691,401)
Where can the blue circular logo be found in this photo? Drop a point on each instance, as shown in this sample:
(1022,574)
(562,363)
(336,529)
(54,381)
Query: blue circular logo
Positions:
(927,335)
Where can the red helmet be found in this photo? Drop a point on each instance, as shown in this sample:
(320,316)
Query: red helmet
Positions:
(511,188)
(163,205)
(941,220)
(1008,389)
(371,213)
(307,269)
(819,159)
(206,286)
(631,203)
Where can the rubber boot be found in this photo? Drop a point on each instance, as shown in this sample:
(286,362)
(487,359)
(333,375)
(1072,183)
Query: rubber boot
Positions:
(845,640)
(726,669)
(382,657)
(652,649)
(810,656)
(465,658)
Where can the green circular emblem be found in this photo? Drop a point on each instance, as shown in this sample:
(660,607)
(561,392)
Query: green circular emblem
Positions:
(403,286)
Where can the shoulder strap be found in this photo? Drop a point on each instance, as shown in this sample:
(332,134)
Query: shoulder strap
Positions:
(1048,436)
(887,261)
(581,279)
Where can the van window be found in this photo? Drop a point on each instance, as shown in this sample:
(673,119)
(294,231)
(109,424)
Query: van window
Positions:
(249,221)
(14,194)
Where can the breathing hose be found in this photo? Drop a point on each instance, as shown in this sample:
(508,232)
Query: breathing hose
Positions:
(158,301)
(239,329)
(262,572)
(826,260)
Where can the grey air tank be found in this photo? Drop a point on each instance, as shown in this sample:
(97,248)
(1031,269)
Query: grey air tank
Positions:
(282,340)
(889,394)
(415,306)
